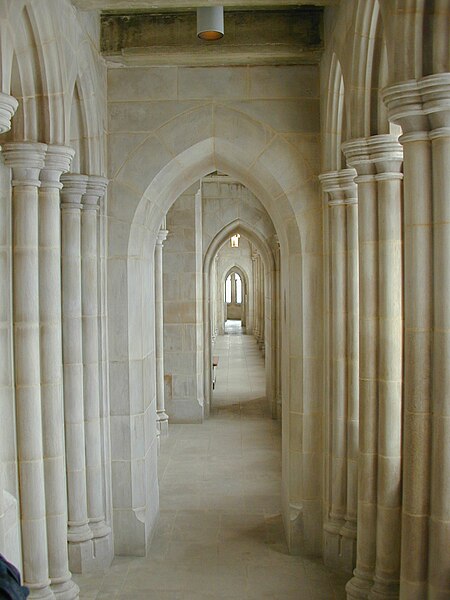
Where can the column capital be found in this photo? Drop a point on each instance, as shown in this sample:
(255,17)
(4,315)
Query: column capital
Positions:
(8,106)
(74,186)
(357,154)
(386,153)
(95,190)
(340,186)
(161,236)
(420,104)
(26,159)
(57,162)
(375,155)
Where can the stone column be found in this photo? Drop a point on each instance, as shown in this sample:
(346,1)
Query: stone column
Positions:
(57,161)
(387,155)
(26,160)
(340,529)
(255,295)
(439,536)
(79,533)
(262,300)
(95,190)
(348,532)
(422,108)
(378,161)
(162,419)
(8,106)
(357,156)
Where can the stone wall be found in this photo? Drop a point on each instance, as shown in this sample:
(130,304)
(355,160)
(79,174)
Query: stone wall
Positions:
(183,310)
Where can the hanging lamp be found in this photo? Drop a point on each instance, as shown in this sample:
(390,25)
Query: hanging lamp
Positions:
(210,23)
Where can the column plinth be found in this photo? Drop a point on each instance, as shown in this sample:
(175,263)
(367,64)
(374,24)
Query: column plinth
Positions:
(26,160)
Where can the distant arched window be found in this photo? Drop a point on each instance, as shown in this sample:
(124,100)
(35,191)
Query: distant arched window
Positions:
(233,289)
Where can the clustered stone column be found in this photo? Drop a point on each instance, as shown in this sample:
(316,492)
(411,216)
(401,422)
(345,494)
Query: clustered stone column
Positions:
(8,106)
(95,190)
(340,528)
(255,294)
(26,161)
(258,299)
(57,161)
(79,533)
(378,161)
(261,301)
(162,419)
(89,536)
(276,295)
(422,108)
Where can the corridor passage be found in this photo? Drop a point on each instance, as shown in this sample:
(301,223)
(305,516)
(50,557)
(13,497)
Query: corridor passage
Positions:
(220,534)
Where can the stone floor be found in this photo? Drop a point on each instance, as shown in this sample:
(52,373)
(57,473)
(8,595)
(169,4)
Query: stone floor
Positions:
(220,534)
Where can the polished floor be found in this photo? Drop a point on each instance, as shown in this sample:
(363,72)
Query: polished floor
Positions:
(220,534)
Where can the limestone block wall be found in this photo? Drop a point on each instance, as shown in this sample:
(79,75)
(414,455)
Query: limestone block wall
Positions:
(183,310)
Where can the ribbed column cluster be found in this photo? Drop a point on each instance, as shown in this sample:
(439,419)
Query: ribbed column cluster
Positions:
(89,536)
(340,526)
(378,161)
(26,161)
(95,190)
(422,108)
(258,299)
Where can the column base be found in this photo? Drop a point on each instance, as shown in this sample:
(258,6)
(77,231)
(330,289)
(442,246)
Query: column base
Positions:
(359,586)
(91,556)
(383,590)
(99,528)
(103,551)
(65,590)
(39,592)
(339,548)
(162,423)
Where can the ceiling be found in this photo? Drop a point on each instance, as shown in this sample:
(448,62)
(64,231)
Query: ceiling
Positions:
(177,5)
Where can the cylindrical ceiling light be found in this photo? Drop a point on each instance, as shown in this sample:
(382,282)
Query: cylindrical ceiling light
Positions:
(210,23)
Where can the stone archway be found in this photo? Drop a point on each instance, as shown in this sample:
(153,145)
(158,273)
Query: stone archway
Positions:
(151,181)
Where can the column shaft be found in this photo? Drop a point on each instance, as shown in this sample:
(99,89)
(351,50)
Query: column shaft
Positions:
(387,570)
(27,160)
(357,155)
(359,586)
(57,161)
(79,533)
(338,488)
(352,370)
(418,259)
(255,296)
(439,534)
(340,530)
(422,108)
(95,189)
(162,418)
